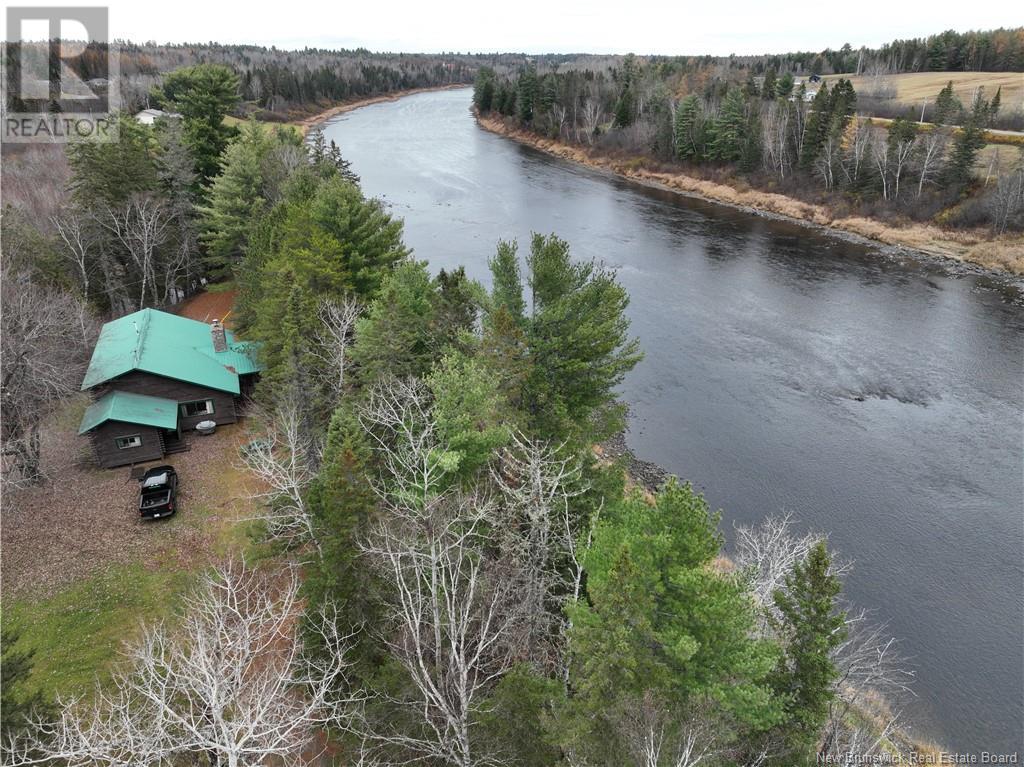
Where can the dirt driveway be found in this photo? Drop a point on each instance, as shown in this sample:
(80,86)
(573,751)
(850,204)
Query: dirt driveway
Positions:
(85,518)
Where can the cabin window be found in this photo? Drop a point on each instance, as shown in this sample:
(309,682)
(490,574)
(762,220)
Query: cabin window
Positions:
(123,443)
(200,407)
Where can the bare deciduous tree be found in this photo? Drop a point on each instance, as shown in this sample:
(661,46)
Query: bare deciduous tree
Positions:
(933,151)
(774,137)
(45,339)
(280,460)
(658,737)
(231,685)
(397,417)
(767,553)
(334,337)
(537,482)
(142,226)
(450,613)
(80,244)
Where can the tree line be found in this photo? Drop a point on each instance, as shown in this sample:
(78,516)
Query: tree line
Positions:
(805,139)
(460,579)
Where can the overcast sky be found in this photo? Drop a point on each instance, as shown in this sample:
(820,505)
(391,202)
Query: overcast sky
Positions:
(669,27)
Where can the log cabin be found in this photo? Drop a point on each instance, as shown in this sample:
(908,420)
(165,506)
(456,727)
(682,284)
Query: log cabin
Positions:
(154,376)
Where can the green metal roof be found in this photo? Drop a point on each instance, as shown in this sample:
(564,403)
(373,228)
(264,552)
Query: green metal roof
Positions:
(171,346)
(131,408)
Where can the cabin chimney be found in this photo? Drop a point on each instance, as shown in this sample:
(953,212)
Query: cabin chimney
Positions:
(220,339)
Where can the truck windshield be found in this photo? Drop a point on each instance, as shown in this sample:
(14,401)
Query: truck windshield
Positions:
(156,480)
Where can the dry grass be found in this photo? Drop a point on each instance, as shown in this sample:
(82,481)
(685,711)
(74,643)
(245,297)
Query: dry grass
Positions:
(1006,253)
(914,87)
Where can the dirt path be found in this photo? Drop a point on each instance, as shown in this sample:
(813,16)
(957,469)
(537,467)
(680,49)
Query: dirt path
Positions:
(209,306)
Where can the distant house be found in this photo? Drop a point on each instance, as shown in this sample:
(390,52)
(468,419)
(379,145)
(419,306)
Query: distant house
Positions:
(155,375)
(150,116)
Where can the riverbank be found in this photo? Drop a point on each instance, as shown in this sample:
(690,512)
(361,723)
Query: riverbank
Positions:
(309,123)
(1005,254)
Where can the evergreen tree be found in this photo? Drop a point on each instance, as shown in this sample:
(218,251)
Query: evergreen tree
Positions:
(579,343)
(457,302)
(507,286)
(342,504)
(750,89)
(947,106)
(483,90)
(526,94)
(470,410)
(813,627)
(967,142)
(689,139)
(625,109)
(203,94)
(729,130)
(236,199)
(659,621)
(993,107)
(394,338)
(768,89)
(784,86)
(819,122)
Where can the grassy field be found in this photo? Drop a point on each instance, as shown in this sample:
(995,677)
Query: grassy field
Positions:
(914,87)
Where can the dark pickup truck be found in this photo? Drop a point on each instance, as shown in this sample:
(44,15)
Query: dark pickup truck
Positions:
(158,489)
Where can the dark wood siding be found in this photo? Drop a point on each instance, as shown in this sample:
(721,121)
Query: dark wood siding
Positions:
(108,454)
(139,382)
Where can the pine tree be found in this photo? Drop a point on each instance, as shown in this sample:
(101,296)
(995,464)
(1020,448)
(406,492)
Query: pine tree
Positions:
(784,86)
(813,626)
(818,123)
(483,90)
(395,337)
(768,89)
(342,504)
(526,94)
(236,200)
(507,286)
(204,94)
(947,106)
(729,130)
(689,130)
(625,108)
(660,622)
(967,142)
(993,107)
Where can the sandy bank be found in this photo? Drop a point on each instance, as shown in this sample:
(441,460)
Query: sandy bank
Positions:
(1004,254)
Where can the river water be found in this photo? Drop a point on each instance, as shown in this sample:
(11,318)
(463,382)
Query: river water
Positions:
(878,399)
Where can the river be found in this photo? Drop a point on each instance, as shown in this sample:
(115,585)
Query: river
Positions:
(878,399)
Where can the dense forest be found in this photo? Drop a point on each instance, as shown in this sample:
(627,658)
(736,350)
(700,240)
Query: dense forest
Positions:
(449,573)
(803,138)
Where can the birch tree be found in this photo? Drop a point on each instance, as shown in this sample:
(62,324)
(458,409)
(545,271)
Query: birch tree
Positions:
(932,157)
(230,684)
(449,616)
(45,339)
(280,460)
(142,226)
(334,336)
(537,482)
